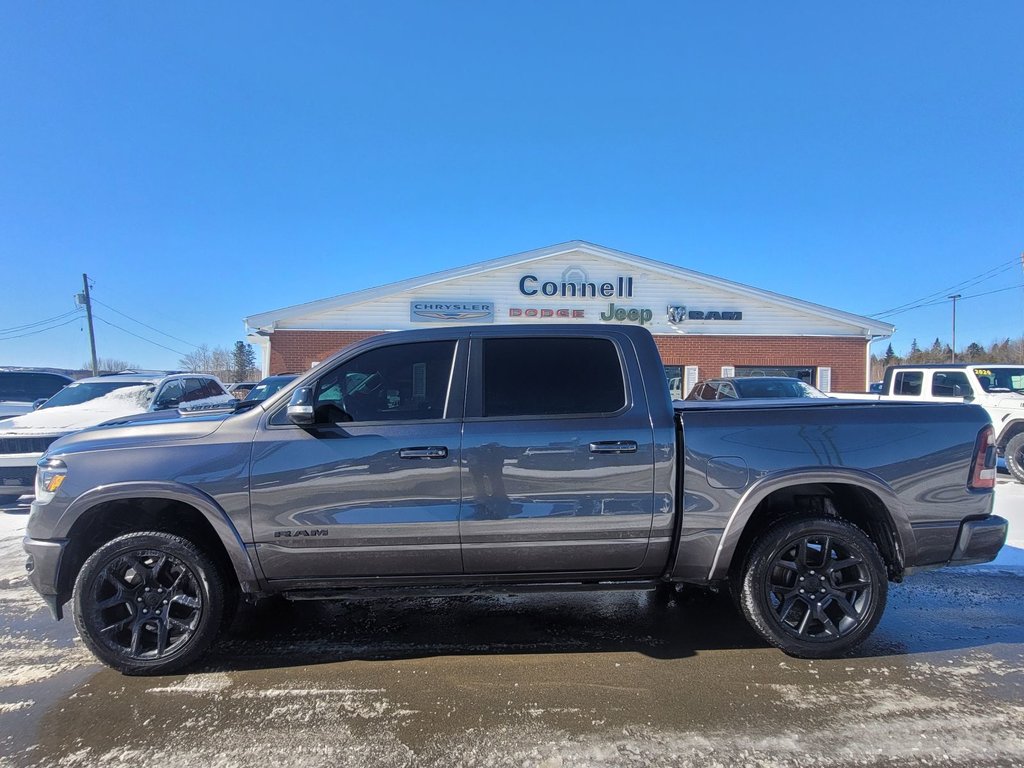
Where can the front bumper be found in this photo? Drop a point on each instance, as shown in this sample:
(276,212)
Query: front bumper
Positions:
(979,540)
(43,567)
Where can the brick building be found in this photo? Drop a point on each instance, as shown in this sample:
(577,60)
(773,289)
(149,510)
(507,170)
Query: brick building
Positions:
(704,326)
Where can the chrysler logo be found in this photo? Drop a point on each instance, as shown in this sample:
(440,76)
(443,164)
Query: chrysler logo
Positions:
(451,311)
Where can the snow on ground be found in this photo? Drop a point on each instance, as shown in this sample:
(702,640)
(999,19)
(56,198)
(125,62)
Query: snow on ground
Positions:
(125,401)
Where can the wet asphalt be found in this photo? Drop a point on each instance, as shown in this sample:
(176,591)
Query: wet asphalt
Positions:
(545,681)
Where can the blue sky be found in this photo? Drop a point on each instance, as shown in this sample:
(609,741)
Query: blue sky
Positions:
(206,163)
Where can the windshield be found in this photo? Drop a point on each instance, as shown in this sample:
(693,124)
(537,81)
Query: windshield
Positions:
(1001,379)
(268,387)
(776,388)
(76,394)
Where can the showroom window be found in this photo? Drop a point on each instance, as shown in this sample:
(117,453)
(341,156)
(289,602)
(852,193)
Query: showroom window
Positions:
(552,376)
(806,373)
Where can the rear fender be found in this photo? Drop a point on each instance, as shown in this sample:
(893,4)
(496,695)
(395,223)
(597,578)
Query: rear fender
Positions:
(764,487)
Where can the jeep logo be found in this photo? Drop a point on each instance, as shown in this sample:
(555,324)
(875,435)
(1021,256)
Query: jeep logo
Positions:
(300,532)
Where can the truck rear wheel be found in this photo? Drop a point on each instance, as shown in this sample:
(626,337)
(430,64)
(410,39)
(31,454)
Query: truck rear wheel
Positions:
(815,587)
(149,603)
(1014,456)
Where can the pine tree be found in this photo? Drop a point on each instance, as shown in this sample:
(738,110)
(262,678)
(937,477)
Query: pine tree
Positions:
(975,353)
(243,360)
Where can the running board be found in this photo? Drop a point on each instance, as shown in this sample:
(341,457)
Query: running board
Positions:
(361,593)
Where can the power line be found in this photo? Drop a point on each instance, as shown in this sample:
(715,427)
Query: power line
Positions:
(26,326)
(962,298)
(41,330)
(970,281)
(130,333)
(162,333)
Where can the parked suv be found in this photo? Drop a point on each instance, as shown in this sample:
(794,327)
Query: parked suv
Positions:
(20,388)
(751,387)
(997,388)
(86,403)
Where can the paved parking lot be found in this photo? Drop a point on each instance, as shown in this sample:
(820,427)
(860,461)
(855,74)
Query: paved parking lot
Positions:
(617,679)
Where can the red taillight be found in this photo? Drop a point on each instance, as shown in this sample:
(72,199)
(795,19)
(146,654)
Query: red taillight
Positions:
(983,468)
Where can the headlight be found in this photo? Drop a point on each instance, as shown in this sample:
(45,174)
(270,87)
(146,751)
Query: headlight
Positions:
(50,474)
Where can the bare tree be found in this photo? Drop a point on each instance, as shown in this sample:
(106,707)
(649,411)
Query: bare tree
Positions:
(196,361)
(111,365)
(220,363)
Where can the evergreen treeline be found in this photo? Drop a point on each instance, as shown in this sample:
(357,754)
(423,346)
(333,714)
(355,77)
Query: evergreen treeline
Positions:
(1005,351)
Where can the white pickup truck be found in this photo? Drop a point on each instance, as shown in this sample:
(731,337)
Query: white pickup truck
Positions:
(998,388)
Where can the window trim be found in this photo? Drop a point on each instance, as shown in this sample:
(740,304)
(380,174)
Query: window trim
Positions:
(475,380)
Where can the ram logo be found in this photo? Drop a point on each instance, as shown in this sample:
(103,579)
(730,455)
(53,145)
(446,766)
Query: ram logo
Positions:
(301,532)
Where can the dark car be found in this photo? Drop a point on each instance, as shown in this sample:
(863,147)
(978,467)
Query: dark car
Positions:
(752,387)
(21,387)
(270,385)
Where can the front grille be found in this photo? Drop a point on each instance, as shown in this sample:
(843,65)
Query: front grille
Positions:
(25,444)
(17,477)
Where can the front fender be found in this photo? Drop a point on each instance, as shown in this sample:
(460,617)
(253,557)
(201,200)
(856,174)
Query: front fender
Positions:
(767,485)
(207,506)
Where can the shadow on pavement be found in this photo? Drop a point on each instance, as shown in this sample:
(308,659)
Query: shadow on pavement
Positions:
(282,633)
(942,611)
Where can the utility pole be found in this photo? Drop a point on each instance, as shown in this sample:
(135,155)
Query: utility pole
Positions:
(954,297)
(88,315)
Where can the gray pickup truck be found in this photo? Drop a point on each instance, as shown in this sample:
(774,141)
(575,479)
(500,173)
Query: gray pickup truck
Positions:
(505,459)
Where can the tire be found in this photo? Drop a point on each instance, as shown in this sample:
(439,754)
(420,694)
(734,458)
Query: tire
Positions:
(149,603)
(1014,456)
(775,594)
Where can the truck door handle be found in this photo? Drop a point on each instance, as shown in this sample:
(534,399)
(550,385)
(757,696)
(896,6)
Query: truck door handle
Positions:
(614,446)
(427,452)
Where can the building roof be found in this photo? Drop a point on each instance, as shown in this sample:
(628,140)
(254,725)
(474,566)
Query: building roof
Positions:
(311,313)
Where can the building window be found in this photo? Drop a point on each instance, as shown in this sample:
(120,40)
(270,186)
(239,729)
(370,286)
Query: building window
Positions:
(806,373)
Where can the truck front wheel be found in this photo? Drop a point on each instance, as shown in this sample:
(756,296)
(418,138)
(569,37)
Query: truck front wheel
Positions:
(149,603)
(1014,456)
(815,587)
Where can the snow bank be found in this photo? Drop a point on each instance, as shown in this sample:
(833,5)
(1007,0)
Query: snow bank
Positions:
(125,401)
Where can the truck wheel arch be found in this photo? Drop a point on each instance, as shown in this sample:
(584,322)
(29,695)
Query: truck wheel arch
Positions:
(139,505)
(756,510)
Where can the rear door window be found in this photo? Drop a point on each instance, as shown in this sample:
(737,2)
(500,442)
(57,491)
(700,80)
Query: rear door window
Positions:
(194,390)
(212,389)
(551,376)
(908,383)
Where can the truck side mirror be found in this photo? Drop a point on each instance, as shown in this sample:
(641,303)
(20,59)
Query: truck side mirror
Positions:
(39,402)
(300,407)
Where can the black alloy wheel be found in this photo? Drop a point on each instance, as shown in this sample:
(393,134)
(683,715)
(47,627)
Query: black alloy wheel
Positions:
(1014,456)
(814,587)
(149,603)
